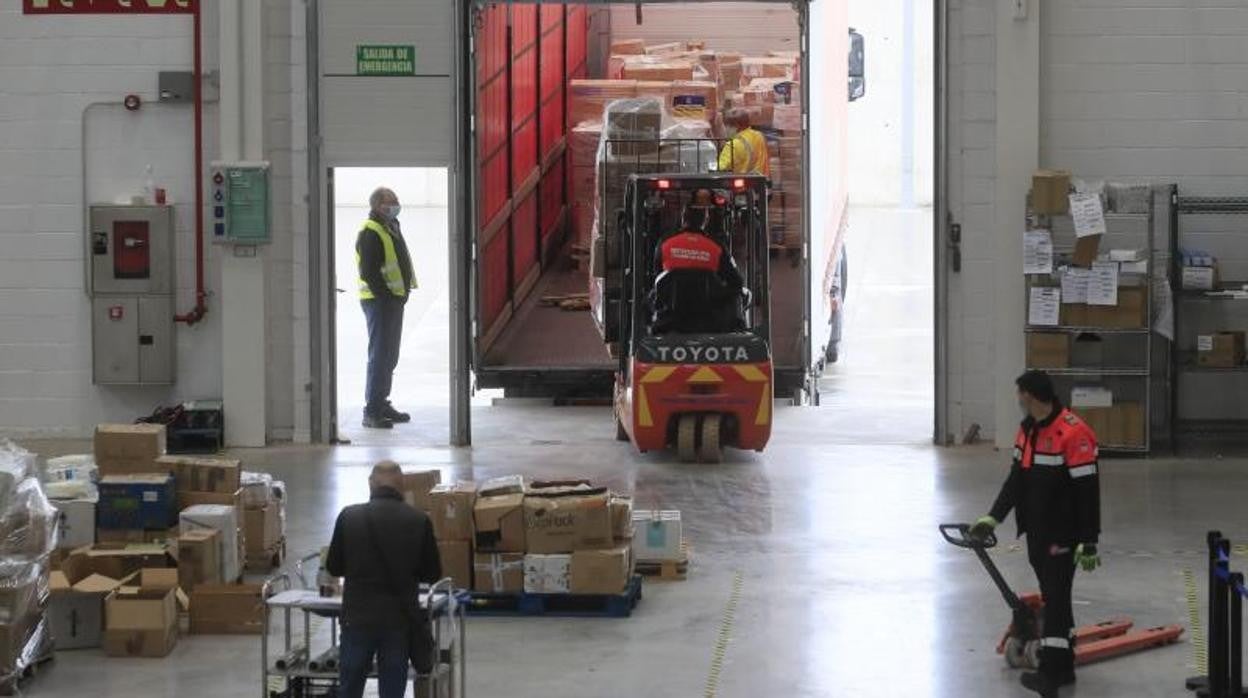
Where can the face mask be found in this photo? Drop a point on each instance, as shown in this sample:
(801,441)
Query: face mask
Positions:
(392,211)
(732,132)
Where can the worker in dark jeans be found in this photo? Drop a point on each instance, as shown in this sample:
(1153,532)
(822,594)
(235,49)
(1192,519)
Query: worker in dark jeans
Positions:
(384,549)
(1054,490)
(386,277)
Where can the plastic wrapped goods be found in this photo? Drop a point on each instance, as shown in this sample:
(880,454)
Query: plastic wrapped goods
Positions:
(16,463)
(256,489)
(27,522)
(67,468)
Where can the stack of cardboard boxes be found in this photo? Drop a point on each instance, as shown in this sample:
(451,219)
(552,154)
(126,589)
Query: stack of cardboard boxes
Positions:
(166,526)
(264,521)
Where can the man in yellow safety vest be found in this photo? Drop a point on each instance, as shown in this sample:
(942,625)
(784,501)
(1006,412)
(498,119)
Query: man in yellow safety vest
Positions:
(385,278)
(746,149)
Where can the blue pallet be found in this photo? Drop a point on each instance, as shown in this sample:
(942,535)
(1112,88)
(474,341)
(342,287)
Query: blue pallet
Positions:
(562,605)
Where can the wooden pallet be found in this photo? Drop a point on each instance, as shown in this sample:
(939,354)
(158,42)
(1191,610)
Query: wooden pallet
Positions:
(268,560)
(665,570)
(574,605)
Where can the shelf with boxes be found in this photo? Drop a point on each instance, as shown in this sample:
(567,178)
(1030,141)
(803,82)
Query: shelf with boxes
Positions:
(1093,263)
(1209,364)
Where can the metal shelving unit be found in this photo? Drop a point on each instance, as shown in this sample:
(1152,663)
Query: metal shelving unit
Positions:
(1183,363)
(1137,231)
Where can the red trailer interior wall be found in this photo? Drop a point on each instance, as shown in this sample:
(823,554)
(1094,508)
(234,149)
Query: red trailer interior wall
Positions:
(526,54)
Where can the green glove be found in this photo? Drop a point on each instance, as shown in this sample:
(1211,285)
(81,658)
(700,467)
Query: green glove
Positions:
(983,526)
(1087,557)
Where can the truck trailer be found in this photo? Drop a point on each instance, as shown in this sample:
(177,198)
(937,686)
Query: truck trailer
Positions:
(541,75)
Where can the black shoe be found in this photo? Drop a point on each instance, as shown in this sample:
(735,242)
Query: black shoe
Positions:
(377,422)
(1044,684)
(394,415)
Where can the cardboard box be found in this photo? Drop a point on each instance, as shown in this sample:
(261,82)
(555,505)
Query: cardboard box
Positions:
(767,67)
(77,520)
(655,71)
(587,99)
(499,523)
(621,517)
(600,571)
(262,528)
(628,47)
(20,639)
(186,500)
(227,609)
(560,522)
(198,474)
(225,520)
(130,535)
(140,501)
(116,560)
(1200,278)
(1087,249)
(547,574)
(451,511)
(140,622)
(123,449)
(457,562)
(416,487)
(1119,425)
(1220,350)
(23,593)
(1130,313)
(657,535)
(1048,350)
(76,609)
(199,558)
(1050,192)
(498,573)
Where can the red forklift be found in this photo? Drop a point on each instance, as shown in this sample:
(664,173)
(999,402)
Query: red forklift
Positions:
(695,367)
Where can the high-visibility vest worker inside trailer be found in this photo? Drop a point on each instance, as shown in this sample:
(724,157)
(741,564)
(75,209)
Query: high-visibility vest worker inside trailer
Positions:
(746,150)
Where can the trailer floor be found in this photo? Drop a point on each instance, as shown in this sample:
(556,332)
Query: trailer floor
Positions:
(539,336)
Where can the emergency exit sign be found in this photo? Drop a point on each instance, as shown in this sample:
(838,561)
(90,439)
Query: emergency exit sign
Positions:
(385,60)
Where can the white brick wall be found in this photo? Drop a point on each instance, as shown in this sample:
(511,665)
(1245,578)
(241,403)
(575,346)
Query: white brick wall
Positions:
(51,68)
(972,98)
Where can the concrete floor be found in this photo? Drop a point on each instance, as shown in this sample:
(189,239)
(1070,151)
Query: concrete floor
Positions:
(825,546)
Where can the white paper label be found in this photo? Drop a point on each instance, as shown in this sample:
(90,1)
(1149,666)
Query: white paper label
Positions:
(1204,342)
(1198,278)
(151,496)
(1088,214)
(1075,285)
(1037,252)
(1045,306)
(1091,396)
(1103,284)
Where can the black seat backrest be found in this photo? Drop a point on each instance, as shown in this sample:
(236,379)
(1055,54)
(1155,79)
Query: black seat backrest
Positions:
(684,300)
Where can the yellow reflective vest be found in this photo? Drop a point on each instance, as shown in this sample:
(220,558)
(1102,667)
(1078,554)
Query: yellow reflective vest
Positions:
(746,153)
(391,272)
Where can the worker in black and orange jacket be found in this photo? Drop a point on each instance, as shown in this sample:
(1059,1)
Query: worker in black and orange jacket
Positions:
(1054,490)
(704,307)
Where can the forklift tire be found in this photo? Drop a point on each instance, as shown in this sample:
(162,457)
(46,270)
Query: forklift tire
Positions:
(710,450)
(1015,653)
(686,438)
(620,433)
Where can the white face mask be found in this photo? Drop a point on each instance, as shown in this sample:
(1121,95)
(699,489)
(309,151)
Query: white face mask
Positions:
(392,211)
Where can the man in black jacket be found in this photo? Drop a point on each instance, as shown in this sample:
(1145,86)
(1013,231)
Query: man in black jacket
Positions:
(384,549)
(1054,491)
(386,277)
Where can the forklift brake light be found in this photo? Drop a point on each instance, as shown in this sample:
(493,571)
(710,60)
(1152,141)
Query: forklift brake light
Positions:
(664,184)
(738,184)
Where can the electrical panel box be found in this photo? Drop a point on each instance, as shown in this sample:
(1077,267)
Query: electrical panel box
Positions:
(131,285)
(241,211)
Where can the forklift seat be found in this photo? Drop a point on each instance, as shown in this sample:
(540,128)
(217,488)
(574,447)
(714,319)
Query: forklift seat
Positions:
(694,301)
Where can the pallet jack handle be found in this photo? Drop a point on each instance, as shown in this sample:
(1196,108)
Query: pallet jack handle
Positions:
(959,534)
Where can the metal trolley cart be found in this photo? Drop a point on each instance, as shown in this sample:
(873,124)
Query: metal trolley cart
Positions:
(298,669)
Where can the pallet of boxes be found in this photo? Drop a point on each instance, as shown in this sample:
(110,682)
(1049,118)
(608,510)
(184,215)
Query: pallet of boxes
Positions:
(552,548)
(27,541)
(264,522)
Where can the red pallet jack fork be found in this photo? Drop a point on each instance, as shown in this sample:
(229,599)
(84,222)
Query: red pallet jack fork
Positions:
(1020,643)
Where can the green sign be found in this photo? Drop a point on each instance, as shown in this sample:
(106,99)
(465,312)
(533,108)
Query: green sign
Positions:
(385,61)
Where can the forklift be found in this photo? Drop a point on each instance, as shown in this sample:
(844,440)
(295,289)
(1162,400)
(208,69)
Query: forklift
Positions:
(695,366)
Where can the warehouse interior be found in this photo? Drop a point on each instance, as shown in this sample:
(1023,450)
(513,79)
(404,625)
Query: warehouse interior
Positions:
(181,343)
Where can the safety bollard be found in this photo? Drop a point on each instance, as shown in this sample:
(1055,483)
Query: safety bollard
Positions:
(1203,684)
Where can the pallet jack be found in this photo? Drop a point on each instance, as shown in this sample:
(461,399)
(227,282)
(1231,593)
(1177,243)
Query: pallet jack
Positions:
(1020,644)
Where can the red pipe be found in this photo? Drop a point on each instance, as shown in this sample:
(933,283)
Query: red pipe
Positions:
(201,296)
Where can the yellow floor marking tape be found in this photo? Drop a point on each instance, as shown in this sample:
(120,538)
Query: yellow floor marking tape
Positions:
(1196,633)
(725,634)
